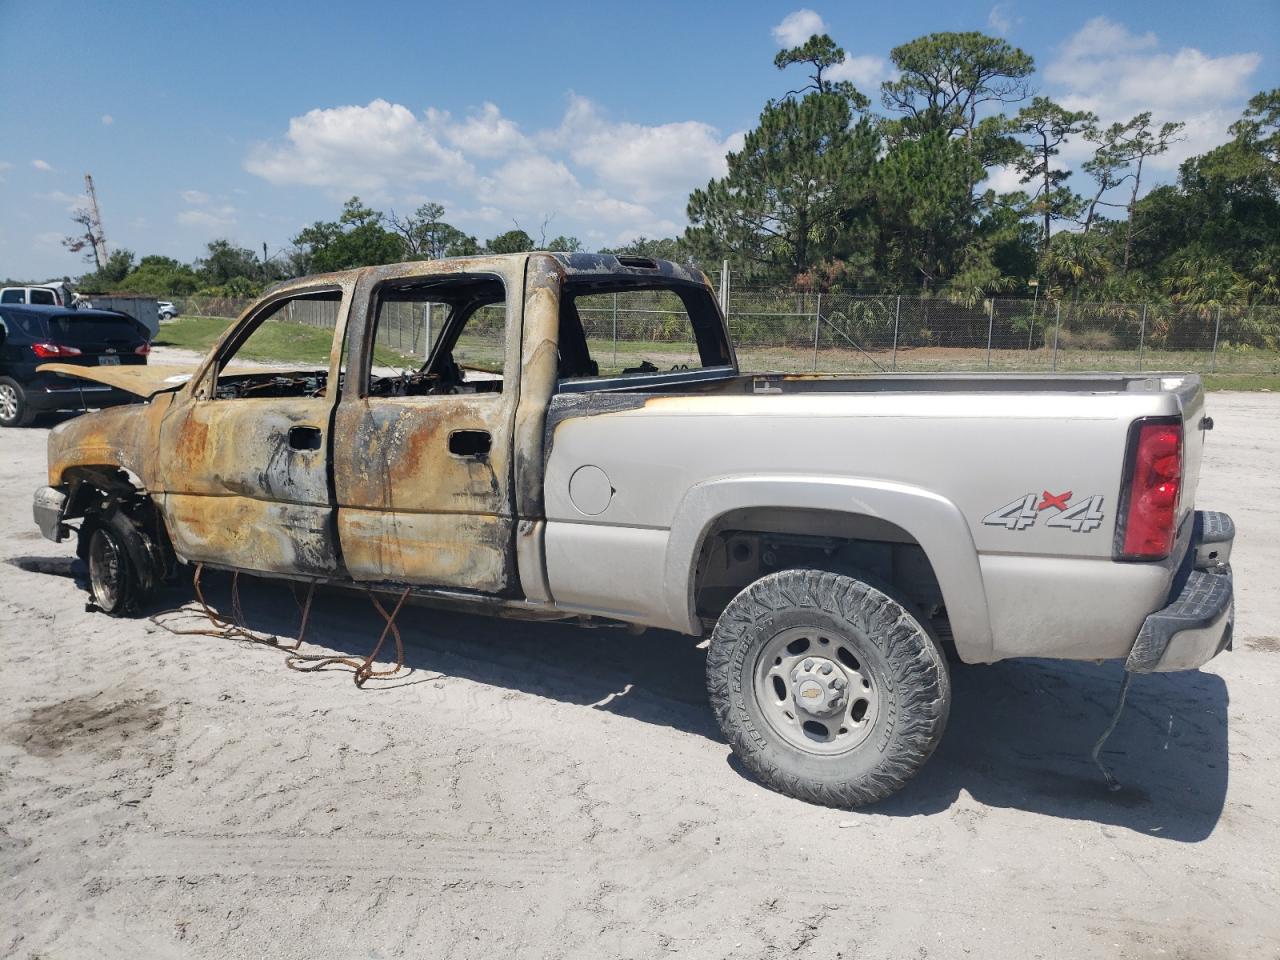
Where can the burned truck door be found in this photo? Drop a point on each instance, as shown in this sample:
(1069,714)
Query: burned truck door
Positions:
(422,462)
(244,449)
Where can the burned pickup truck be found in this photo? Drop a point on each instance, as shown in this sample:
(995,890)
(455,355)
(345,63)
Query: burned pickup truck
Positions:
(835,537)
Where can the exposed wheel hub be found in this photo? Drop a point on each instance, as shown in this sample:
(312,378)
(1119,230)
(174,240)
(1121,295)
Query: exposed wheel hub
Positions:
(819,687)
(815,689)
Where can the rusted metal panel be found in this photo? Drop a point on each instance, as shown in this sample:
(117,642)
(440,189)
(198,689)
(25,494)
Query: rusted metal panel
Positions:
(608,265)
(140,380)
(531,560)
(409,510)
(237,491)
(396,455)
(248,533)
(539,362)
(126,437)
(240,448)
(440,549)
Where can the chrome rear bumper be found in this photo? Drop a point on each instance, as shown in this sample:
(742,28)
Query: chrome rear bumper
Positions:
(1196,624)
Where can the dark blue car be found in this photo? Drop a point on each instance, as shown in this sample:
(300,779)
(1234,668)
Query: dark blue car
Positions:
(32,335)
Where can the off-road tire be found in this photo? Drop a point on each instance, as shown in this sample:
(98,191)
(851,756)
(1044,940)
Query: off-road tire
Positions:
(907,665)
(22,414)
(121,568)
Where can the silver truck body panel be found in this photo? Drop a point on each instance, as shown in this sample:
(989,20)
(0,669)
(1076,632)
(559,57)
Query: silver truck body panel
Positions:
(934,464)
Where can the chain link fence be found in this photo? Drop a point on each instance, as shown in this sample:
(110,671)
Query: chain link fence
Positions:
(795,331)
(799,331)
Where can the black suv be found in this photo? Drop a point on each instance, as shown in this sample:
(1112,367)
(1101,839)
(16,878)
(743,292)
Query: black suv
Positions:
(32,335)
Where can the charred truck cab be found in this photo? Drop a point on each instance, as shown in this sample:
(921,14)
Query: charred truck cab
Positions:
(477,434)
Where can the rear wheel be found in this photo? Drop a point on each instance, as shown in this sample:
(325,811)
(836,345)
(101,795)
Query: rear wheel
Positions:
(14,409)
(826,687)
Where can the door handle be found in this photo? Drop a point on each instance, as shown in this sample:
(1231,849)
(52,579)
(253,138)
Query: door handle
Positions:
(304,438)
(472,444)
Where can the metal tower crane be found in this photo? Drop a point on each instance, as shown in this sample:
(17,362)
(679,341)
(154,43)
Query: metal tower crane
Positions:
(99,238)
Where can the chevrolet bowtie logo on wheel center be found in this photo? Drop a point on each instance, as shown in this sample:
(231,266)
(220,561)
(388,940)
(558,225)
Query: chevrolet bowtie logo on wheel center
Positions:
(819,686)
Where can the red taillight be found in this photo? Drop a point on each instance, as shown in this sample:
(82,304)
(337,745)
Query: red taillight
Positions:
(143,350)
(1150,501)
(47,350)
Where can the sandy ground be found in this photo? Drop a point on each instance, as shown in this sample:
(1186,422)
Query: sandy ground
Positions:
(548,791)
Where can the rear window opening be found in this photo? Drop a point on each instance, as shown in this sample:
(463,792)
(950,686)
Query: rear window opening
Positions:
(78,330)
(623,333)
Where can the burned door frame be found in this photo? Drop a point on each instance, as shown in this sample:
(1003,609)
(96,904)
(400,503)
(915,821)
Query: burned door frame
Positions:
(246,480)
(409,509)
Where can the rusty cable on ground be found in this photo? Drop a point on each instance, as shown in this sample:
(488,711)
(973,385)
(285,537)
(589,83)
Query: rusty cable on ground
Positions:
(364,668)
(1112,783)
(234,628)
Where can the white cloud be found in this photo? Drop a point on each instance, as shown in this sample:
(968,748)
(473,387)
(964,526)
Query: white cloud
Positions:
(108,119)
(3,167)
(210,218)
(537,186)
(485,215)
(71,201)
(1117,71)
(1006,180)
(866,72)
(797,27)
(42,165)
(1000,19)
(649,162)
(484,134)
(1103,37)
(517,182)
(358,148)
(1106,68)
(590,174)
(204,213)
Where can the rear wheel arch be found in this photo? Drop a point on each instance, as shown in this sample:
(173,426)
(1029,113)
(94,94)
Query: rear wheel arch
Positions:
(848,509)
(746,544)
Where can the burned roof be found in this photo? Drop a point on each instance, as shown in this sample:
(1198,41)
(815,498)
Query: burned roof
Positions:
(576,266)
(607,264)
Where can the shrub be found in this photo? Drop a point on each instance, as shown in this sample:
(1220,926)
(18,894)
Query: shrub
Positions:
(1087,339)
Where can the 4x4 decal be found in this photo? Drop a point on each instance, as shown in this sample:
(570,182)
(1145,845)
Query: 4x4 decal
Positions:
(1080,517)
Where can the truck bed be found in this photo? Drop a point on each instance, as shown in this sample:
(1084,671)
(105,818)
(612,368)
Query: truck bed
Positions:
(728,382)
(976,444)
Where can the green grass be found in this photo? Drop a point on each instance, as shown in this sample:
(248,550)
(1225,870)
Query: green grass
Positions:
(271,342)
(1239,381)
(191,333)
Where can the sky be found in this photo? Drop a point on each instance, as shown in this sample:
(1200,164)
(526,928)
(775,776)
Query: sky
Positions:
(249,120)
